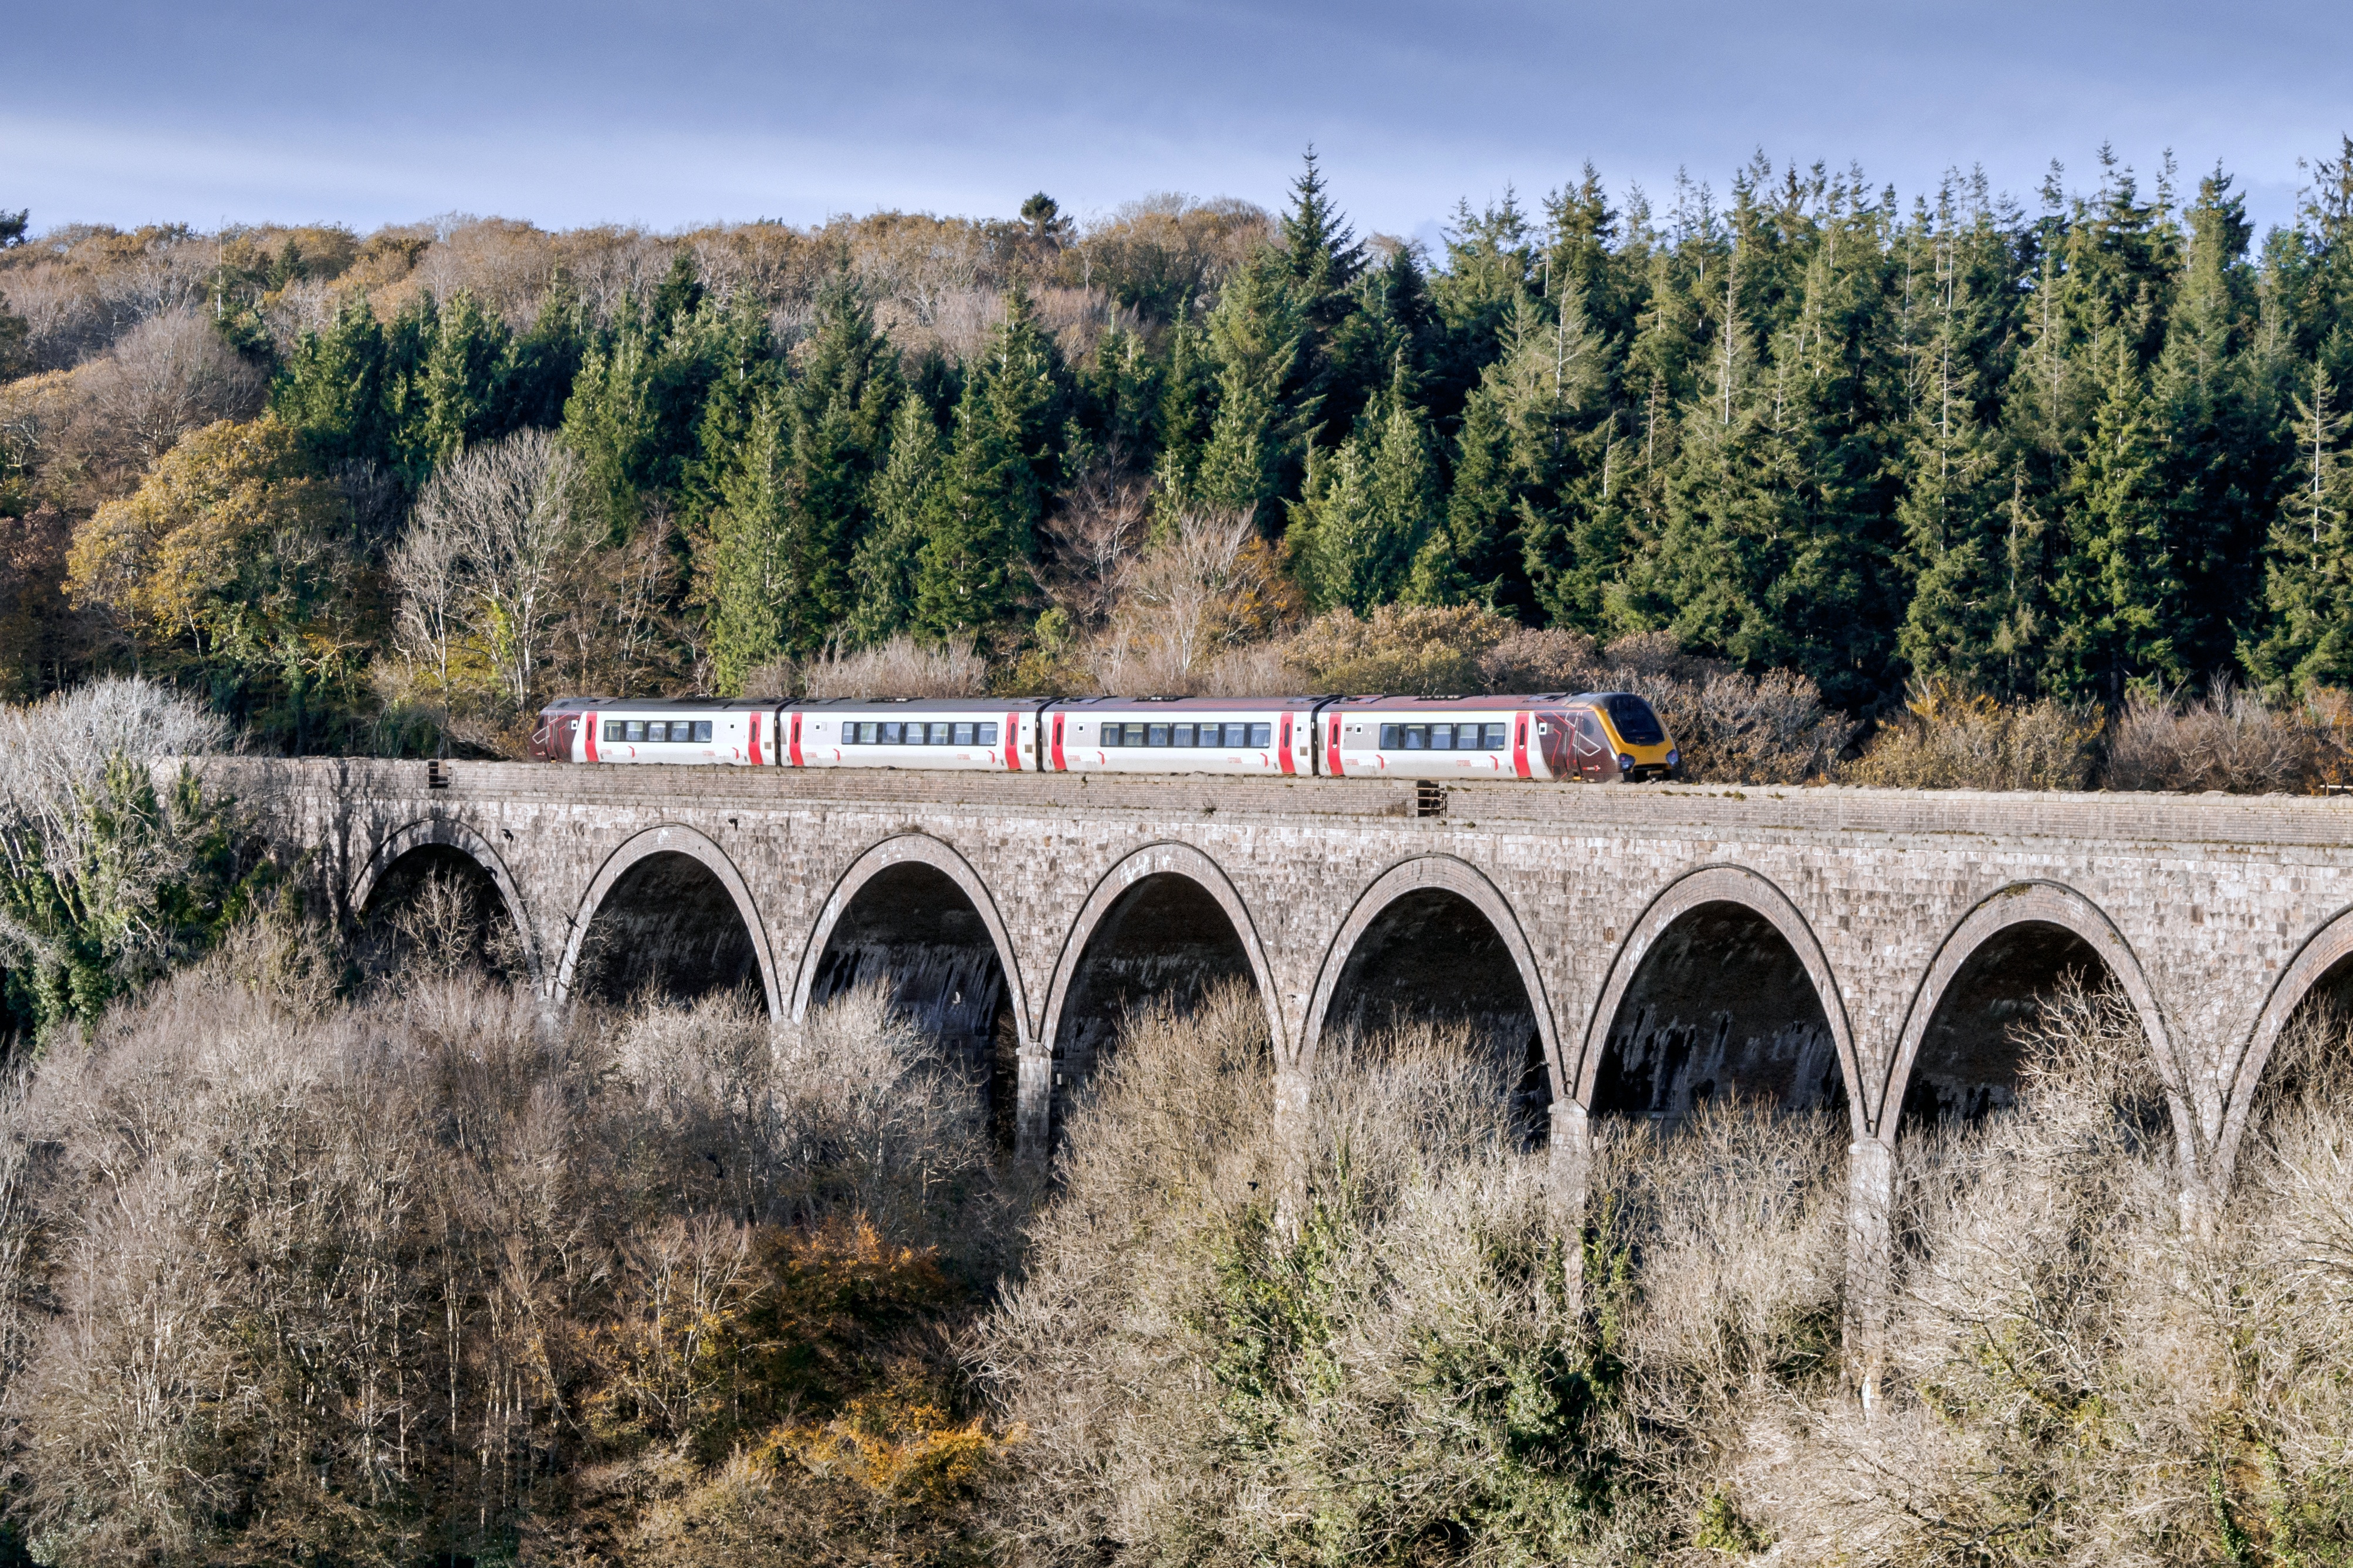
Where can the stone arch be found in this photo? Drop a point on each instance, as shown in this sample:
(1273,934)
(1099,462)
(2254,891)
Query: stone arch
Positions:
(1997,957)
(1420,914)
(910,850)
(427,834)
(691,883)
(912,914)
(1796,1048)
(1166,918)
(2323,966)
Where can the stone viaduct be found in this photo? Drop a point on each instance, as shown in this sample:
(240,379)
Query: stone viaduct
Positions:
(1651,947)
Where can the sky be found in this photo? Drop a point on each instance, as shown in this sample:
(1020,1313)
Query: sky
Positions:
(667,115)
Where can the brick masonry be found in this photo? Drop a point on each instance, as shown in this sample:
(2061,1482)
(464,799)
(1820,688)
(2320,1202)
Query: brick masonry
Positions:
(2216,914)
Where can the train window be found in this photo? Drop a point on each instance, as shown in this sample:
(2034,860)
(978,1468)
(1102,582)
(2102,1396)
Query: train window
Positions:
(1136,734)
(1392,736)
(637,730)
(891,734)
(940,733)
(612,728)
(963,735)
(1155,734)
(987,735)
(1416,737)
(1111,734)
(1634,720)
(1497,737)
(1180,735)
(703,729)
(1261,735)
(1441,737)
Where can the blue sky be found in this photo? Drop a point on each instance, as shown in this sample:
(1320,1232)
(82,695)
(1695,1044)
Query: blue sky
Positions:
(131,111)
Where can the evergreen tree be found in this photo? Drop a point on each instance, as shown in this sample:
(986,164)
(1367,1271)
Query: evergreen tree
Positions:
(459,388)
(885,561)
(1371,509)
(973,572)
(330,390)
(635,407)
(2308,587)
(2120,590)
(754,559)
(1256,335)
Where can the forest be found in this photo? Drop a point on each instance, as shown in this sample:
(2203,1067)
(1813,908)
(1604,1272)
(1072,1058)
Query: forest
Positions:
(387,493)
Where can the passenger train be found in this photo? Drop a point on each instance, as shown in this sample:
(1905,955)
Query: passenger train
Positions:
(1610,737)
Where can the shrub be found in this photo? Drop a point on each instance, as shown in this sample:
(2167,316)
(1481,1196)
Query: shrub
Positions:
(1952,738)
(442,1271)
(897,668)
(2229,740)
(2077,1375)
(111,870)
(1377,1352)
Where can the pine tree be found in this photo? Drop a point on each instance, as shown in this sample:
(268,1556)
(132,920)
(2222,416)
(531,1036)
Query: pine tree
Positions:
(331,391)
(1371,507)
(752,550)
(840,408)
(2119,589)
(885,560)
(1256,335)
(461,390)
(973,569)
(2308,587)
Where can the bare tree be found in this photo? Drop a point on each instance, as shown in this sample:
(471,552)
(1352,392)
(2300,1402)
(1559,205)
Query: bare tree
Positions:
(428,571)
(170,375)
(507,511)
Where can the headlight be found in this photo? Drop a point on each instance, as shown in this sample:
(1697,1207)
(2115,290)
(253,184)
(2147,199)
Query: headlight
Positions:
(1674,758)
(1625,763)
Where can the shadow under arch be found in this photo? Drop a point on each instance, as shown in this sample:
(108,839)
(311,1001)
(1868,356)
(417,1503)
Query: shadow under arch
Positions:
(1957,1056)
(1432,938)
(669,908)
(913,914)
(1720,987)
(1165,923)
(2321,972)
(436,843)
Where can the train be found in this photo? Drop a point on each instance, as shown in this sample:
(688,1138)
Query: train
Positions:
(1597,737)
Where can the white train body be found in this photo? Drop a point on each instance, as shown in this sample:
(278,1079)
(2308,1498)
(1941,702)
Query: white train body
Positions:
(1601,737)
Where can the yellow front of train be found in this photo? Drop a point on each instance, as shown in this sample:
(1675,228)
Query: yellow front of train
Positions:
(1644,752)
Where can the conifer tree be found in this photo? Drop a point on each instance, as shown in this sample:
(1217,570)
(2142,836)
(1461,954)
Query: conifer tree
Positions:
(331,389)
(2120,590)
(885,559)
(1256,335)
(752,554)
(973,572)
(2308,587)
(1372,505)
(461,387)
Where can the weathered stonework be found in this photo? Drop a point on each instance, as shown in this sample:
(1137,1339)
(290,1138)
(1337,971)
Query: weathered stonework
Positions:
(2216,915)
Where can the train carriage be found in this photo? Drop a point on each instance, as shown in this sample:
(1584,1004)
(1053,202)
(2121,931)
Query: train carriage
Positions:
(1182,735)
(967,734)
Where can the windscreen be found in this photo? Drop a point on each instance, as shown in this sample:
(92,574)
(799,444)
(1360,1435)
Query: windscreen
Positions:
(1636,724)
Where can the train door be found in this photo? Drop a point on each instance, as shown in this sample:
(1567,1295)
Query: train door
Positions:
(1589,748)
(1552,743)
(1282,746)
(1058,763)
(567,736)
(1332,752)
